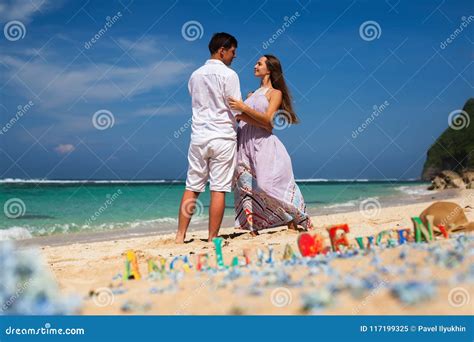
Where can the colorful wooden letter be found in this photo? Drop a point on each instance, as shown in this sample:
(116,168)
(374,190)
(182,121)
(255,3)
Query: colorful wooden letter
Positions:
(218,244)
(200,265)
(310,245)
(247,256)
(261,256)
(184,259)
(131,266)
(338,236)
(360,241)
(421,231)
(387,238)
(404,235)
(288,254)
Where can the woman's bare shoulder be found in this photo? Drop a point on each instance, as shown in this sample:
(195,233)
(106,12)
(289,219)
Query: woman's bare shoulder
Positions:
(275,92)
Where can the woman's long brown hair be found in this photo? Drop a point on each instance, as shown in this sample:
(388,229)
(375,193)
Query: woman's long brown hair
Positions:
(278,82)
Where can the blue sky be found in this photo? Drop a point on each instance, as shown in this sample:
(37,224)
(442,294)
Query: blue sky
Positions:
(139,67)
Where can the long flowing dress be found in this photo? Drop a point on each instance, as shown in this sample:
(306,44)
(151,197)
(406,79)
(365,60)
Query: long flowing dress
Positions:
(266,194)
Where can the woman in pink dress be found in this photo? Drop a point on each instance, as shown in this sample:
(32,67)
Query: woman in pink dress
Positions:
(266,194)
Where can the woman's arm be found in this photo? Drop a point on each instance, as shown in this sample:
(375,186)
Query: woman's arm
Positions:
(250,121)
(263,118)
(253,122)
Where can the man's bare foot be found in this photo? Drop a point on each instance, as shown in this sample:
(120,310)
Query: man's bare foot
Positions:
(211,238)
(254,233)
(179,239)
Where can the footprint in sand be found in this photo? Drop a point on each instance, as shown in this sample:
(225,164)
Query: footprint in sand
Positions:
(166,242)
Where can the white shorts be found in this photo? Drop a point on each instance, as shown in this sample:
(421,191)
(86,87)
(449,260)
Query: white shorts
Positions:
(215,160)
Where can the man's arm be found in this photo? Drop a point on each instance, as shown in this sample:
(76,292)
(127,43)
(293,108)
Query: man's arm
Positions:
(190,84)
(232,89)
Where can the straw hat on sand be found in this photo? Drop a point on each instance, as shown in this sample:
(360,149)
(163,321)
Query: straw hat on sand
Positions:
(448,214)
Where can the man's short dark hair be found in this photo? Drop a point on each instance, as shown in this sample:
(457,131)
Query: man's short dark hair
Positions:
(221,39)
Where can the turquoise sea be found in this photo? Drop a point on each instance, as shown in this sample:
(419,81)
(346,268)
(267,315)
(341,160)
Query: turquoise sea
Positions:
(39,207)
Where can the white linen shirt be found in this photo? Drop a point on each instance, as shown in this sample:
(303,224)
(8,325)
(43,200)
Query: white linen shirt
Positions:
(210,86)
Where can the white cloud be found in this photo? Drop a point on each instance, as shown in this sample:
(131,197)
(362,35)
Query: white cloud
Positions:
(71,90)
(64,148)
(60,85)
(22,10)
(146,47)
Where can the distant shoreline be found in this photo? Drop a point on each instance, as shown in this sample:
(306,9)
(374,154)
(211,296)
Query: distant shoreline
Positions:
(182,181)
(120,234)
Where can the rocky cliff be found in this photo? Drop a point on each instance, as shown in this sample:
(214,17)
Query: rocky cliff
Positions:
(454,149)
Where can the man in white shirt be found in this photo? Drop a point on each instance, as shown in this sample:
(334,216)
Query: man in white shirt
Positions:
(213,146)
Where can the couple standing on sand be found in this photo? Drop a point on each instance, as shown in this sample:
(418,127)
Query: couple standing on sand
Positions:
(233,147)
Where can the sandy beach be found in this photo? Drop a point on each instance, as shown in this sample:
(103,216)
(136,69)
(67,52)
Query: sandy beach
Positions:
(92,271)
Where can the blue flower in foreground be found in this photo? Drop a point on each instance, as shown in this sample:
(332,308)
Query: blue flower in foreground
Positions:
(27,287)
(413,292)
